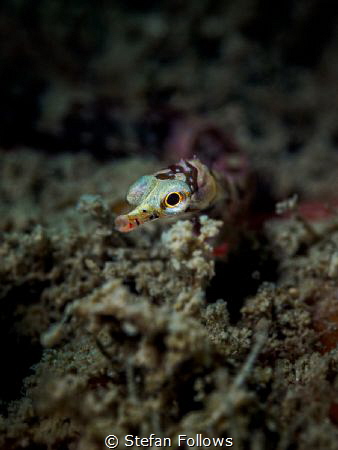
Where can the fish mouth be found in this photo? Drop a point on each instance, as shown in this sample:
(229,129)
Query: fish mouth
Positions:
(128,222)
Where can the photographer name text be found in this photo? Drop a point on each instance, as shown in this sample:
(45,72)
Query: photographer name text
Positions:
(152,440)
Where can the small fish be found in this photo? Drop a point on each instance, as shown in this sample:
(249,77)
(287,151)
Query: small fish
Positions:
(182,189)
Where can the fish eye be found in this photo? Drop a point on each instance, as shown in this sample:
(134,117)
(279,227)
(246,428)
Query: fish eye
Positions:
(173,199)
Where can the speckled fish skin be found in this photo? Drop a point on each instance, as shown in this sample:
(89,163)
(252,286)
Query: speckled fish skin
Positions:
(182,189)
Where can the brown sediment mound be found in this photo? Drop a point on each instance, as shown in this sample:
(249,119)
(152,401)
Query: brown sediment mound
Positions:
(135,335)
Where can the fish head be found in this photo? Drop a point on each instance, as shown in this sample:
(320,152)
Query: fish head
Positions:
(154,198)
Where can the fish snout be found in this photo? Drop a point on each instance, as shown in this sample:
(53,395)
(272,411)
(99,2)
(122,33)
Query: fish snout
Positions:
(124,224)
(128,222)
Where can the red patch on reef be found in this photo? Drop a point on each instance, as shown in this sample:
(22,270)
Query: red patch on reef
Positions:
(333,413)
(316,210)
(325,318)
(192,136)
(221,250)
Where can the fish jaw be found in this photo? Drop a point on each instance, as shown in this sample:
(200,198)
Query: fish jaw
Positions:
(124,224)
